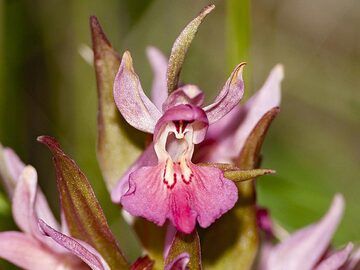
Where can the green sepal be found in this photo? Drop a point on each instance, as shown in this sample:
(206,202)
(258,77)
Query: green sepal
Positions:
(189,243)
(181,46)
(82,211)
(118,143)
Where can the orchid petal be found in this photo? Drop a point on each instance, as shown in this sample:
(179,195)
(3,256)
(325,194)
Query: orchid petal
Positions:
(229,96)
(188,113)
(267,98)
(336,260)
(158,63)
(303,249)
(23,206)
(26,252)
(206,198)
(26,208)
(186,94)
(147,158)
(10,168)
(87,254)
(133,104)
(226,138)
(181,46)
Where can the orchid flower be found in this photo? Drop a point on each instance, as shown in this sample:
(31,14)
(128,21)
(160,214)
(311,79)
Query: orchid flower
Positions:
(308,248)
(164,175)
(32,248)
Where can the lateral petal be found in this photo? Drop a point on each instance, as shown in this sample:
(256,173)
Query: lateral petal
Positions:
(228,97)
(133,104)
(225,139)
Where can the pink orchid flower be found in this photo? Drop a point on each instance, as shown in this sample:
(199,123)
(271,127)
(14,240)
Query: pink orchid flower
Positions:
(32,248)
(308,248)
(164,183)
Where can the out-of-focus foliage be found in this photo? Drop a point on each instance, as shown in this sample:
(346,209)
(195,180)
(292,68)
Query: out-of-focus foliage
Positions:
(47,88)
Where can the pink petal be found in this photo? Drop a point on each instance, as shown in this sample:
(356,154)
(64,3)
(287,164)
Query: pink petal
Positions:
(225,139)
(228,97)
(336,260)
(169,237)
(10,169)
(188,113)
(133,104)
(147,158)
(303,249)
(353,262)
(206,198)
(24,208)
(186,94)
(80,249)
(14,164)
(26,252)
(179,263)
(158,63)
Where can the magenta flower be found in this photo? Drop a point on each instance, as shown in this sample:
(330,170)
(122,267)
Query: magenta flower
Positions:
(308,248)
(32,248)
(164,183)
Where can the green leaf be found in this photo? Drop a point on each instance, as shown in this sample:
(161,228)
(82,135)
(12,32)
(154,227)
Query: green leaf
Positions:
(82,211)
(233,240)
(189,243)
(119,144)
(181,46)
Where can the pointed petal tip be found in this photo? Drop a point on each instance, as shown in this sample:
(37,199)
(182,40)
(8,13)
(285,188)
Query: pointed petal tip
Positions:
(49,141)
(279,70)
(127,61)
(338,202)
(237,75)
(206,10)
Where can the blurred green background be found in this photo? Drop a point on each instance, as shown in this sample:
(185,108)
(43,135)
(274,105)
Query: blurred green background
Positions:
(46,87)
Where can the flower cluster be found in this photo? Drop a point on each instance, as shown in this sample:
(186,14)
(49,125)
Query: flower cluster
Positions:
(198,170)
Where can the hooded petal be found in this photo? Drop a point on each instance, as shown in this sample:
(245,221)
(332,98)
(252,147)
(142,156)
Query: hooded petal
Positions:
(186,94)
(336,260)
(303,249)
(205,198)
(26,252)
(80,249)
(228,97)
(158,63)
(179,263)
(147,158)
(186,113)
(225,139)
(133,104)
